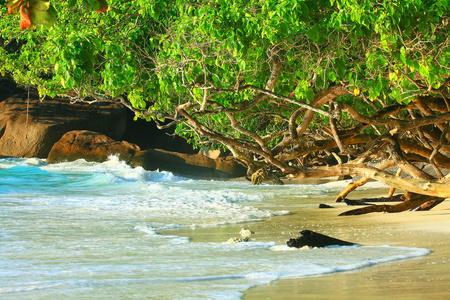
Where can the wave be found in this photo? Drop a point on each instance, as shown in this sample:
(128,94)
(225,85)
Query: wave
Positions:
(80,225)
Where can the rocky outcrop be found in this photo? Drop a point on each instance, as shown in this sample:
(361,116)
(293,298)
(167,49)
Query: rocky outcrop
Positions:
(60,131)
(91,146)
(34,133)
(192,165)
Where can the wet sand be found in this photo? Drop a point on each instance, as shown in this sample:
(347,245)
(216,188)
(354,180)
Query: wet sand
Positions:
(422,278)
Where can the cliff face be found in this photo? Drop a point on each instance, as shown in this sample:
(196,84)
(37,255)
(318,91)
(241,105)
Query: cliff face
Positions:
(30,129)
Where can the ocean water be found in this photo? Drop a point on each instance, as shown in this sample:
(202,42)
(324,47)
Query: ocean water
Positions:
(85,230)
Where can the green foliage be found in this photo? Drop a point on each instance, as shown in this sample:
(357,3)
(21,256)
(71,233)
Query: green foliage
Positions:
(160,54)
(32,12)
(41,12)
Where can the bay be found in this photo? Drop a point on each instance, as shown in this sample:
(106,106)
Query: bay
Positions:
(106,230)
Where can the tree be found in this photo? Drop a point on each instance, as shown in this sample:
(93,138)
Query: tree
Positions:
(280,84)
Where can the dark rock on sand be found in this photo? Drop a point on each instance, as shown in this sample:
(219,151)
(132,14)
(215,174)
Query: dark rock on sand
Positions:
(313,239)
(321,205)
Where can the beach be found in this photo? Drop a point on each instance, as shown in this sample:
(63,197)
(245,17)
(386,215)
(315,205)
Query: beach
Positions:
(421,278)
(82,230)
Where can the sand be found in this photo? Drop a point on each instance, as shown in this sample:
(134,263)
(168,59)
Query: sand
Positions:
(421,278)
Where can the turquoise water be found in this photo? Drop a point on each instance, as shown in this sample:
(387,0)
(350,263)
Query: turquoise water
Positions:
(96,230)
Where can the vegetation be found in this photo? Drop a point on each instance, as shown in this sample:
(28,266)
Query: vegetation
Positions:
(283,85)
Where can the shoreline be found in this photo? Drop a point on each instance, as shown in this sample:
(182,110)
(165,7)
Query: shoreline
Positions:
(420,278)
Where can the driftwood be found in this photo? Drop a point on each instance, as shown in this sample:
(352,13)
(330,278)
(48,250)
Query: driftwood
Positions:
(356,202)
(321,205)
(353,185)
(365,201)
(415,202)
(418,186)
(313,239)
(428,205)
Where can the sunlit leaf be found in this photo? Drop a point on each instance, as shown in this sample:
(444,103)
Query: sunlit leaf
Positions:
(42,13)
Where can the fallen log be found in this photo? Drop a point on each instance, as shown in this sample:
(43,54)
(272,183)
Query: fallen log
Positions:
(353,185)
(365,201)
(355,202)
(313,239)
(435,188)
(428,205)
(406,205)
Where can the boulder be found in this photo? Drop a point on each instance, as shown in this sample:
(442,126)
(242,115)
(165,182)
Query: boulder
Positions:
(313,239)
(91,146)
(191,165)
(34,133)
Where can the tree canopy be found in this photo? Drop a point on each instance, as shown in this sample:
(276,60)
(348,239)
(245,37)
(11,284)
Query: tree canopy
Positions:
(278,83)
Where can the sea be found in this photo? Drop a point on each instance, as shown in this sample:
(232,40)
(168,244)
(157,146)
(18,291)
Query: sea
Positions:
(87,230)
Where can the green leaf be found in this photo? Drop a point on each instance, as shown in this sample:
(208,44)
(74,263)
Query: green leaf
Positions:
(40,5)
(403,54)
(97,5)
(71,3)
(309,94)
(424,71)
(42,13)
(393,76)
(13,6)
(313,33)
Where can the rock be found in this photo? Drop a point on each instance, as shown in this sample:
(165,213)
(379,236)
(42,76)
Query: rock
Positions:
(313,239)
(246,233)
(34,134)
(322,205)
(91,146)
(234,241)
(245,237)
(214,154)
(192,165)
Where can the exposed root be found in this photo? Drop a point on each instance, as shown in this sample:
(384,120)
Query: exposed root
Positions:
(263,174)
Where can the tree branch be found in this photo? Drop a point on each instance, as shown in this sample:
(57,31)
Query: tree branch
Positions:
(437,189)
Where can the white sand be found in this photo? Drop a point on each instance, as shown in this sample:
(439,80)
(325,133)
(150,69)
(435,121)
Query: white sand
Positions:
(423,278)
